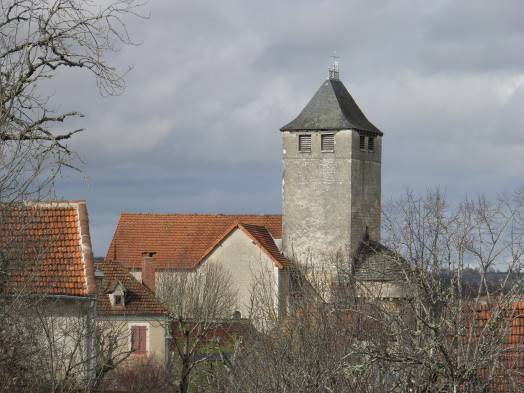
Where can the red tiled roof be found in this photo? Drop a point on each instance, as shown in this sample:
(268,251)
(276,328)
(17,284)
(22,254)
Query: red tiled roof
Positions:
(48,247)
(515,318)
(509,377)
(138,300)
(179,240)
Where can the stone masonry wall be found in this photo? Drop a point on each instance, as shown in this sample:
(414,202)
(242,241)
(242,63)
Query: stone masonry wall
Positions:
(365,190)
(316,199)
(328,197)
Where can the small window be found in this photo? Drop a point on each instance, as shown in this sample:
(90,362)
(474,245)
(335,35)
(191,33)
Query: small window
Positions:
(117,298)
(138,339)
(304,143)
(371,143)
(327,142)
(362,142)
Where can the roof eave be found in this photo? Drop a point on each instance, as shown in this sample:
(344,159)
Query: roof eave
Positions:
(305,129)
(131,314)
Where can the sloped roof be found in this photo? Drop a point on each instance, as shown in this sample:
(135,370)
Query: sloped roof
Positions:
(48,248)
(375,262)
(331,108)
(138,300)
(261,238)
(179,240)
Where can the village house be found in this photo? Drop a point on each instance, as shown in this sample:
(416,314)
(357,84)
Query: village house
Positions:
(129,311)
(46,252)
(246,246)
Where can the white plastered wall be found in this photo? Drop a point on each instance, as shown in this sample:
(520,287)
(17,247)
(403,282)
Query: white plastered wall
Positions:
(251,269)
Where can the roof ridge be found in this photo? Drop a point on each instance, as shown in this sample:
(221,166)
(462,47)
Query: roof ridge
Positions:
(54,203)
(247,224)
(201,214)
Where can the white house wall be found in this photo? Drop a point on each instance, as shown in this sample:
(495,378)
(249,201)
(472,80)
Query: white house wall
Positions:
(251,269)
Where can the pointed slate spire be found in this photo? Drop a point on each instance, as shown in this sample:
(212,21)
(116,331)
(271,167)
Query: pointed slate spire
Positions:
(331,108)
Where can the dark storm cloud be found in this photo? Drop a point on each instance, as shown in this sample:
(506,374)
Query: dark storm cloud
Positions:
(197,128)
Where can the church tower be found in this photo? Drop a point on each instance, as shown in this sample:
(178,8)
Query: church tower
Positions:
(331,179)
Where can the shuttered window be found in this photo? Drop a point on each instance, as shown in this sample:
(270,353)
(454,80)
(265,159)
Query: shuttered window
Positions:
(371,143)
(362,142)
(327,142)
(138,339)
(304,143)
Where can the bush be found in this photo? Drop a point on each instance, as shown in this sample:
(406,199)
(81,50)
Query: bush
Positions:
(141,375)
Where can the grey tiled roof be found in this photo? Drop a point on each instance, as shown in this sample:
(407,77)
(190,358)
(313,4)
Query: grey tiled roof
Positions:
(331,108)
(376,262)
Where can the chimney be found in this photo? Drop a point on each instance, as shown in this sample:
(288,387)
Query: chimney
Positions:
(148,270)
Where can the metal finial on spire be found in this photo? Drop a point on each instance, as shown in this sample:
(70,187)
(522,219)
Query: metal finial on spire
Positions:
(333,71)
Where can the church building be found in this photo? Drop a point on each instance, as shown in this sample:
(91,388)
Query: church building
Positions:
(331,177)
(331,190)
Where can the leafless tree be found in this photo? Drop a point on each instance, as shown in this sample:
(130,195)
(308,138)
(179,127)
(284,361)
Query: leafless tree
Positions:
(460,284)
(49,341)
(200,303)
(45,346)
(39,41)
(450,330)
(310,349)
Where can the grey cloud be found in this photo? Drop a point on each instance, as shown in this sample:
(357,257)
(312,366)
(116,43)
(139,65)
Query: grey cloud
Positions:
(197,128)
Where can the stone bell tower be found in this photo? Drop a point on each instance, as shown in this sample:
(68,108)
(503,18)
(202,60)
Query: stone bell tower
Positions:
(331,177)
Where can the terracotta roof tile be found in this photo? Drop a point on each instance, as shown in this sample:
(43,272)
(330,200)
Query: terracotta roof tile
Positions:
(510,377)
(47,247)
(264,239)
(138,301)
(179,240)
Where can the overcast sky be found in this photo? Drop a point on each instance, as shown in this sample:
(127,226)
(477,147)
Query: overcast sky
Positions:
(213,81)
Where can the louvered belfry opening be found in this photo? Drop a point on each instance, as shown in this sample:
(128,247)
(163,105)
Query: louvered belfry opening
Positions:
(371,143)
(327,142)
(362,142)
(304,143)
